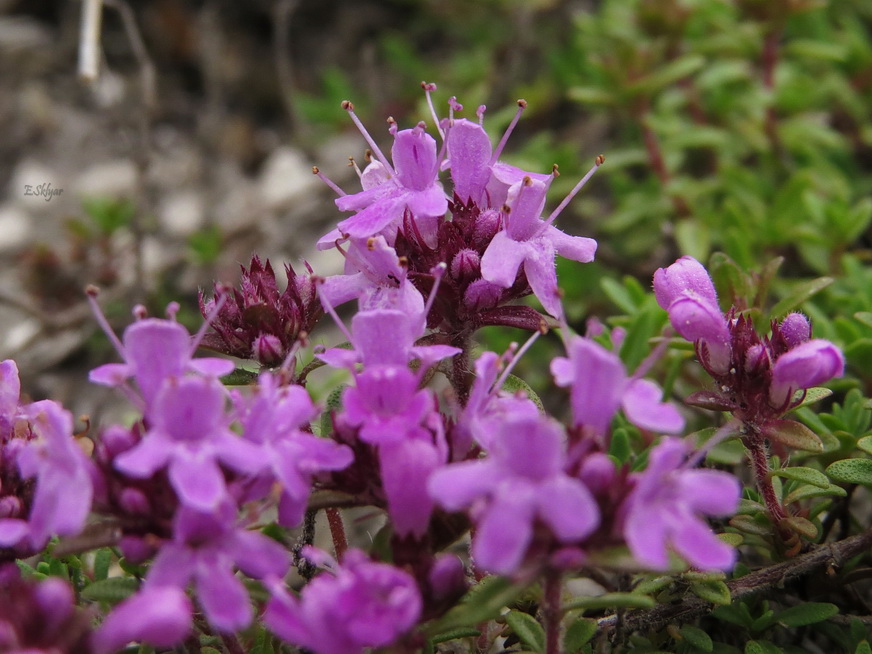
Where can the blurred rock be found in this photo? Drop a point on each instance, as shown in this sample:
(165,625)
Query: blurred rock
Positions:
(115,179)
(286,175)
(181,213)
(15,228)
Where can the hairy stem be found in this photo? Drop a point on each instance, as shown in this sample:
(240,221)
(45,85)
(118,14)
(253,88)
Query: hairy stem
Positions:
(337,531)
(551,612)
(760,464)
(831,556)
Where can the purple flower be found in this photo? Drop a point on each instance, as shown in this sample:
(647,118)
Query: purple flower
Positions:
(522,481)
(599,386)
(411,183)
(357,605)
(38,618)
(153,351)
(273,419)
(530,241)
(158,616)
(63,493)
(808,364)
(662,511)
(190,436)
(204,550)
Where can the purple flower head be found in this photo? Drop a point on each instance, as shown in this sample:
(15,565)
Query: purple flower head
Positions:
(372,271)
(599,386)
(190,436)
(153,351)
(522,481)
(256,320)
(62,499)
(358,605)
(795,329)
(41,617)
(410,184)
(808,364)
(204,550)
(685,275)
(274,418)
(530,241)
(158,616)
(663,511)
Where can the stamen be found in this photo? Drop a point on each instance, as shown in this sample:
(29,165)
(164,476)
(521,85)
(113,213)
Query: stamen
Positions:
(428,88)
(392,126)
(173,310)
(600,160)
(453,105)
(291,357)
(378,153)
(210,318)
(516,356)
(437,271)
(330,310)
(480,113)
(140,312)
(329,182)
(522,104)
(353,164)
(92,292)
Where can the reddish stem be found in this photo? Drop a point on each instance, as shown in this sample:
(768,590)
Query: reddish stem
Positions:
(551,612)
(337,532)
(760,464)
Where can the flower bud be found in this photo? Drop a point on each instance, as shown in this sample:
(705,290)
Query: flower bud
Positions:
(267,350)
(486,227)
(447,578)
(756,358)
(10,507)
(115,440)
(481,295)
(466,265)
(135,501)
(597,472)
(695,318)
(686,274)
(795,329)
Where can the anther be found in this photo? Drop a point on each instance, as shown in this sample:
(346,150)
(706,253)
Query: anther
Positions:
(329,182)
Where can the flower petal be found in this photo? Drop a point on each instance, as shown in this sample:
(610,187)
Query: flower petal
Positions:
(501,260)
(642,404)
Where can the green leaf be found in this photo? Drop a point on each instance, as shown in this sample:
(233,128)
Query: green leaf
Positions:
(454,634)
(851,471)
(812,395)
(516,384)
(102,561)
(239,377)
(527,629)
(865,317)
(697,637)
(793,434)
(863,648)
(111,590)
(483,602)
(618,294)
(761,647)
(611,601)
(806,475)
(672,72)
(865,444)
(712,591)
(800,294)
(809,492)
(807,613)
(578,634)
(693,238)
(334,403)
(801,526)
(736,614)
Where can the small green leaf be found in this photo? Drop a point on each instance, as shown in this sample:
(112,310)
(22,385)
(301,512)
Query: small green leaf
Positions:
(715,592)
(812,395)
(697,637)
(454,634)
(805,475)
(863,648)
(239,377)
(578,634)
(482,602)
(865,444)
(653,584)
(111,590)
(809,492)
(736,614)
(334,403)
(102,560)
(761,647)
(800,294)
(801,526)
(807,613)
(793,434)
(515,384)
(865,317)
(851,471)
(663,76)
(612,601)
(527,629)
